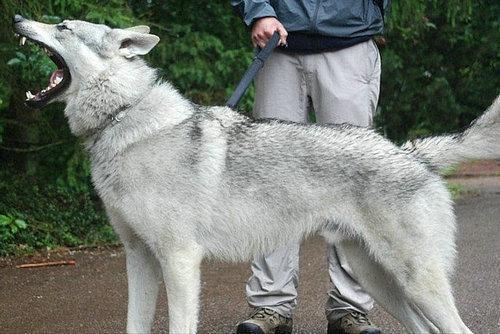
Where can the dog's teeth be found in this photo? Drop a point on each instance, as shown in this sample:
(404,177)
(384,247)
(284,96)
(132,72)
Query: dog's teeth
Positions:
(29,96)
(22,41)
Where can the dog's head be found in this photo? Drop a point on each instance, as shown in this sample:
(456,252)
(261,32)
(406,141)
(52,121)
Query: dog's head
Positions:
(81,51)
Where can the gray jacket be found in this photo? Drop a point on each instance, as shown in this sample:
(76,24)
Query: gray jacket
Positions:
(336,18)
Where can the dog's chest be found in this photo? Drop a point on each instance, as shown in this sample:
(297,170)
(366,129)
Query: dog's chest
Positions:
(106,179)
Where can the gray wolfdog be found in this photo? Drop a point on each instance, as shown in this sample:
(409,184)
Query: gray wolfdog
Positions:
(182,182)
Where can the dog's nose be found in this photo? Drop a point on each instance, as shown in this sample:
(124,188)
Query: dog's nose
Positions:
(17,18)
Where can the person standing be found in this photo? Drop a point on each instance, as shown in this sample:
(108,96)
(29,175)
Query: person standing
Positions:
(327,62)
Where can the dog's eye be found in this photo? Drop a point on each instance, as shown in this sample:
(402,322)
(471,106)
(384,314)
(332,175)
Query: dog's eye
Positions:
(62,27)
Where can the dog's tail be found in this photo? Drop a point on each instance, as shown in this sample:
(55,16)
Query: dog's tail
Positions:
(480,141)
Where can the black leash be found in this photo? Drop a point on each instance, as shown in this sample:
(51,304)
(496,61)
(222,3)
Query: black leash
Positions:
(255,66)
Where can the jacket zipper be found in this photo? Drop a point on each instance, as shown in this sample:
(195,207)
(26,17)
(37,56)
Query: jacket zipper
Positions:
(315,18)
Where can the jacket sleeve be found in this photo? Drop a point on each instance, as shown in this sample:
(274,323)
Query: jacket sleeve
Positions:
(251,10)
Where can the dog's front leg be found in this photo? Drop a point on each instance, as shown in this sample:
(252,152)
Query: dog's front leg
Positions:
(181,272)
(143,285)
(143,273)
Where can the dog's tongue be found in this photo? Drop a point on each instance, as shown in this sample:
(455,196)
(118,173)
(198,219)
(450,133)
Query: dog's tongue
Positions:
(56,77)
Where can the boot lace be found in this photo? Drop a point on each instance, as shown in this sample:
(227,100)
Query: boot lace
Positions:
(356,318)
(268,315)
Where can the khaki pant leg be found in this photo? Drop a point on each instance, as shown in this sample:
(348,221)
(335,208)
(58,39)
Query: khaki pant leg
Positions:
(274,280)
(280,93)
(345,84)
(344,89)
(280,89)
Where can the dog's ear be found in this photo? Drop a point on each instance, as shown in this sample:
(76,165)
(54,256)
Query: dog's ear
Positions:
(133,43)
(141,29)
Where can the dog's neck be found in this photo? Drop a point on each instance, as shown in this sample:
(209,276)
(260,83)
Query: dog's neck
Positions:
(101,98)
(116,109)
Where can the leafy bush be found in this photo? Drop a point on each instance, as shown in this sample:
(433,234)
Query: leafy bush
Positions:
(42,215)
(442,72)
(9,228)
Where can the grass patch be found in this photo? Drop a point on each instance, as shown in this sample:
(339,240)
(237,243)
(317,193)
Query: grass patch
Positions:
(449,171)
(455,189)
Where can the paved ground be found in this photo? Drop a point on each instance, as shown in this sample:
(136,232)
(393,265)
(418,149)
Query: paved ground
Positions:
(91,296)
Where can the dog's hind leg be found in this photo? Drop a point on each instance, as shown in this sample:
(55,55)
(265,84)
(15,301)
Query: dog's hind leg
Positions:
(143,273)
(415,247)
(181,272)
(381,286)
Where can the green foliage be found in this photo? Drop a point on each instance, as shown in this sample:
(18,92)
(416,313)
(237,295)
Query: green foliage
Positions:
(409,19)
(32,65)
(9,227)
(440,70)
(77,171)
(442,76)
(41,215)
(204,48)
(202,66)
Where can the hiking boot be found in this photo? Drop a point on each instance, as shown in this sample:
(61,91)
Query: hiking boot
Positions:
(353,323)
(265,321)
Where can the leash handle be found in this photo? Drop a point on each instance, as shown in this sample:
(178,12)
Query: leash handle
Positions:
(271,44)
(255,66)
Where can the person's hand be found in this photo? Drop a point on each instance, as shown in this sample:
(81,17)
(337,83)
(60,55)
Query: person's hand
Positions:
(264,28)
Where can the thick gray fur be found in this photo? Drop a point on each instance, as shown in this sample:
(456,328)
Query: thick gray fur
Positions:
(182,182)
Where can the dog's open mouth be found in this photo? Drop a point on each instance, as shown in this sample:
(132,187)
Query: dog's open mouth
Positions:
(58,81)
